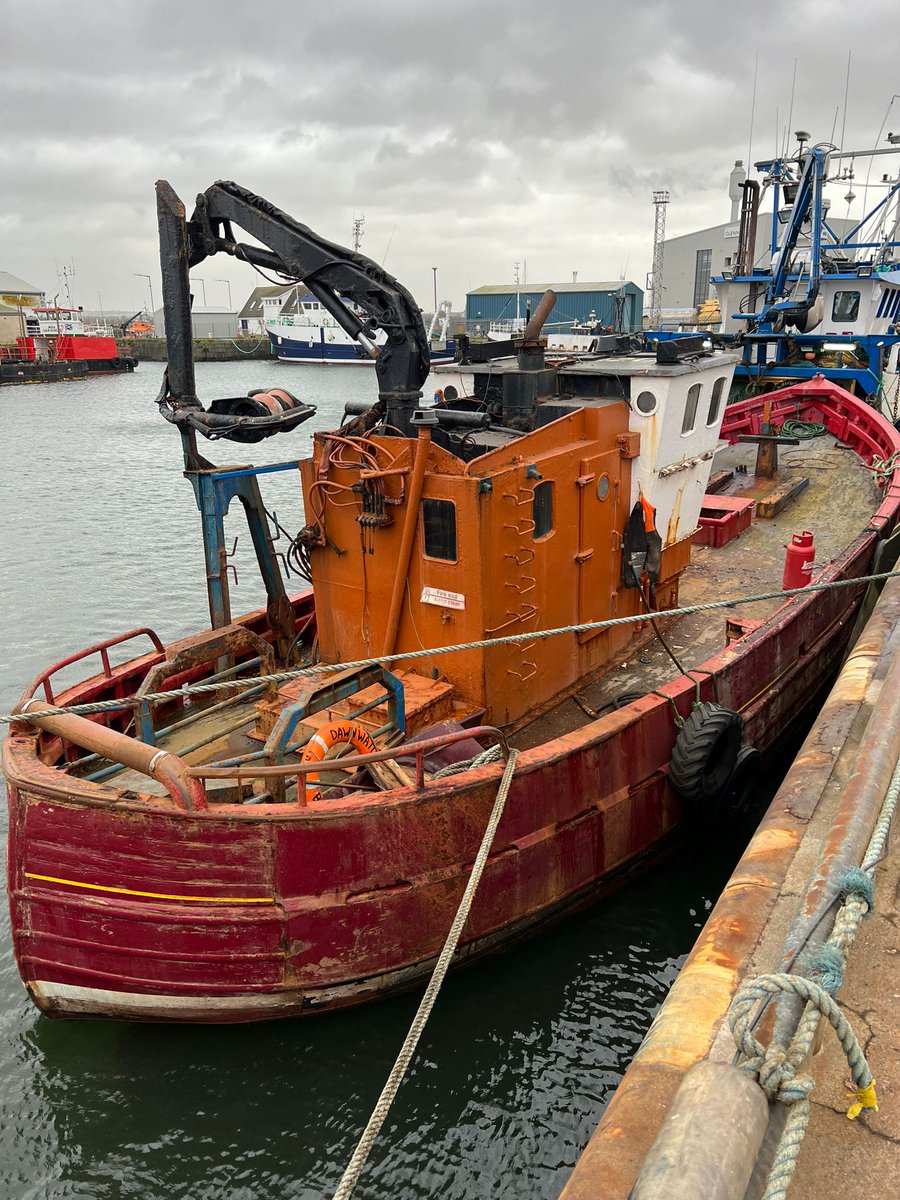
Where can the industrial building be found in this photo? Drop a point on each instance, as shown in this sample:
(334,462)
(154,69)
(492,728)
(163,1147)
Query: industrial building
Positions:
(617,304)
(691,260)
(207,321)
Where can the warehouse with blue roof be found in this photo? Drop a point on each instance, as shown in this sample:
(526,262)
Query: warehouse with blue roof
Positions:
(617,304)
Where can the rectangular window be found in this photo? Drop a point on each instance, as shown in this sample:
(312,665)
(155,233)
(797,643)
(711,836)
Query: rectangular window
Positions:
(701,277)
(542,509)
(845,307)
(690,409)
(439,524)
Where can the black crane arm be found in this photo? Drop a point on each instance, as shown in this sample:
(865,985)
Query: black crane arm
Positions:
(295,252)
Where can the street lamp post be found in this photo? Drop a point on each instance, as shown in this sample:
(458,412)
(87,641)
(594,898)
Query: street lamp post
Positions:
(138,275)
(228,285)
(202,283)
(434,273)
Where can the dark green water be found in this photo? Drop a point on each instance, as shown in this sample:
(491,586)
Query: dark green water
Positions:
(99,534)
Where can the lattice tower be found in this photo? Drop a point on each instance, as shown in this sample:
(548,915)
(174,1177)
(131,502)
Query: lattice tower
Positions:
(660,200)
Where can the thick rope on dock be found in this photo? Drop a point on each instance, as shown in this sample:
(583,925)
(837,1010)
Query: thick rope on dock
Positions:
(777,1068)
(250,681)
(373,1127)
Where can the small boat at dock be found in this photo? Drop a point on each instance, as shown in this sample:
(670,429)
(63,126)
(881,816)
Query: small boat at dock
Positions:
(278,815)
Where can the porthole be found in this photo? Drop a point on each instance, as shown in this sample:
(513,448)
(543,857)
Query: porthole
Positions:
(603,487)
(646,403)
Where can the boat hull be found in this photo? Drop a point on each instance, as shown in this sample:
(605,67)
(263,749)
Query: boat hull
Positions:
(128,906)
(323,351)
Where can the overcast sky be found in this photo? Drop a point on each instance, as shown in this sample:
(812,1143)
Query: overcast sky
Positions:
(471,135)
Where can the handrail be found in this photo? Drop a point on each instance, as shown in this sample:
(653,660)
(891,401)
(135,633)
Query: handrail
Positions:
(100,648)
(419,749)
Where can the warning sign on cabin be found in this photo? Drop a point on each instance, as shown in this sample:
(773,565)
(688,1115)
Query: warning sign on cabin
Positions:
(442,599)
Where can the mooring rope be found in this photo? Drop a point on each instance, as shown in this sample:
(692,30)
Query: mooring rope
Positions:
(777,1069)
(373,1127)
(251,681)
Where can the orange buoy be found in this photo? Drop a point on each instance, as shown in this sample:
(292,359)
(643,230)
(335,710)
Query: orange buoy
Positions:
(320,745)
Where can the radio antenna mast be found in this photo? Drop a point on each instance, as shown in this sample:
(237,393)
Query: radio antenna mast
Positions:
(660,200)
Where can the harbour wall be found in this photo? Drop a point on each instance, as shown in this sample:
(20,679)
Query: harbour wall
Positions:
(205,349)
(834,787)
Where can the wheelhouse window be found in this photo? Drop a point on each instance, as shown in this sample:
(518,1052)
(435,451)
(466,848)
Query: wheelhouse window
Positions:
(439,524)
(690,409)
(542,509)
(715,401)
(845,307)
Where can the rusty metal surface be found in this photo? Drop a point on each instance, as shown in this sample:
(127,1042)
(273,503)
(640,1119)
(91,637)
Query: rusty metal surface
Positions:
(685,1029)
(161,765)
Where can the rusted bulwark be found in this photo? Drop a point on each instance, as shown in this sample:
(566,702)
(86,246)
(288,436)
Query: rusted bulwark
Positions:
(756,904)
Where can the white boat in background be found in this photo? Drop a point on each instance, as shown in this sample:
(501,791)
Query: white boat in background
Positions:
(312,335)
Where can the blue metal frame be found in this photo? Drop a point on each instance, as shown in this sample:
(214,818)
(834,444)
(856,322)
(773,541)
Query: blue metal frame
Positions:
(214,489)
(346,685)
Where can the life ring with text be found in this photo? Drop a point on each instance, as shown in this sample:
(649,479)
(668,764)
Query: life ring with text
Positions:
(320,745)
(706,752)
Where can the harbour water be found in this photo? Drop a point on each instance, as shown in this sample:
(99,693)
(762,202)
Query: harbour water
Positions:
(99,534)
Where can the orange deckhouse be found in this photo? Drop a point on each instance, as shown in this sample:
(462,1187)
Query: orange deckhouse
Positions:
(471,533)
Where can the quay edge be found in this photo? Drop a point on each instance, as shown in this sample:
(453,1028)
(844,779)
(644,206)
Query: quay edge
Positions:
(830,789)
(204,349)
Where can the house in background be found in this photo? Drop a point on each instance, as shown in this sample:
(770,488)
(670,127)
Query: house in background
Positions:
(266,303)
(11,286)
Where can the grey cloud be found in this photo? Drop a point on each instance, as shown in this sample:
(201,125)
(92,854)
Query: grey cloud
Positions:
(471,135)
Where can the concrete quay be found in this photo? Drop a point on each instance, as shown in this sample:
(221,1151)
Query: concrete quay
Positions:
(205,349)
(718,1139)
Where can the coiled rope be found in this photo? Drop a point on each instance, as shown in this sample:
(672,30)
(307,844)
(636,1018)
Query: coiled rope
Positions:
(250,681)
(803,431)
(373,1127)
(777,1069)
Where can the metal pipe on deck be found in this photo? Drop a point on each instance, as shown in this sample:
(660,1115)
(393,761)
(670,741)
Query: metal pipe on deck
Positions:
(167,769)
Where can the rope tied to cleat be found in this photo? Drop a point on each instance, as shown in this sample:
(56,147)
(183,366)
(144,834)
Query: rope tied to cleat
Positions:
(249,682)
(778,1069)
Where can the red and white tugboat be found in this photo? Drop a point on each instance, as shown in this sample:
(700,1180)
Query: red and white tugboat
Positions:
(56,345)
(207,857)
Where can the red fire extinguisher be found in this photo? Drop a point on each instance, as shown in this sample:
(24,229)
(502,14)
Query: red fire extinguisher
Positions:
(798,561)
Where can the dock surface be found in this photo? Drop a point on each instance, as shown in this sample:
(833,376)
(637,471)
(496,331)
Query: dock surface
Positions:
(826,807)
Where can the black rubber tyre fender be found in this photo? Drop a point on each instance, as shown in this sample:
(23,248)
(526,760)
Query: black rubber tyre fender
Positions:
(706,752)
(742,783)
(118,364)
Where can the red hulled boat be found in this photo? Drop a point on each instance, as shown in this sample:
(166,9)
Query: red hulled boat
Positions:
(220,857)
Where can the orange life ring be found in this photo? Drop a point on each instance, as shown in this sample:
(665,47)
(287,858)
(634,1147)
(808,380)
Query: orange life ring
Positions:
(335,733)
